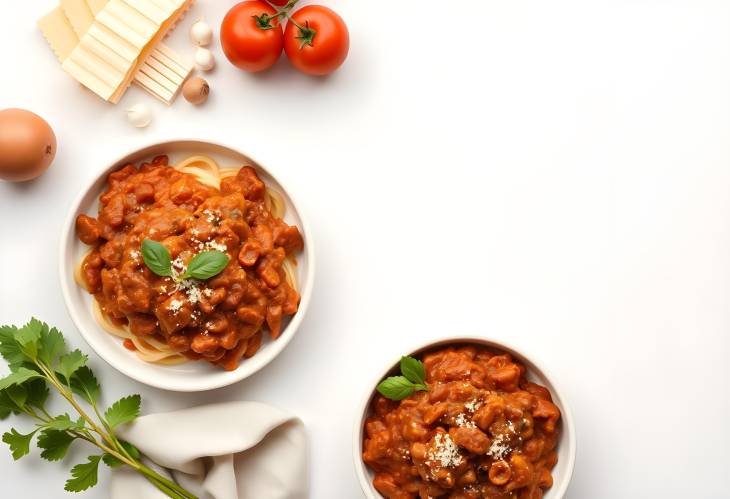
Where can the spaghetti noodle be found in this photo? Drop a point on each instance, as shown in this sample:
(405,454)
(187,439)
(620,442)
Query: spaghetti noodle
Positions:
(190,207)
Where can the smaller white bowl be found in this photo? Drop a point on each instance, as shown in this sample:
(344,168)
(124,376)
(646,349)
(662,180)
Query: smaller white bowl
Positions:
(563,470)
(191,376)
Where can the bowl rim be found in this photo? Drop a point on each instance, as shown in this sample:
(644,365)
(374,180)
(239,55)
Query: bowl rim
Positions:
(203,383)
(361,470)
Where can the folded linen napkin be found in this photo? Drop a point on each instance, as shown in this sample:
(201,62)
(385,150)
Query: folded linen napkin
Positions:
(236,450)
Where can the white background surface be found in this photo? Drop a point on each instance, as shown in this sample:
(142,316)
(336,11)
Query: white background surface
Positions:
(552,173)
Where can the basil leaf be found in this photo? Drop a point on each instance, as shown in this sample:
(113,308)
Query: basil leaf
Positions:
(396,388)
(205,265)
(157,258)
(413,370)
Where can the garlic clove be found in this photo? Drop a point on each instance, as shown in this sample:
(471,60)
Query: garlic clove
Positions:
(139,115)
(201,33)
(204,59)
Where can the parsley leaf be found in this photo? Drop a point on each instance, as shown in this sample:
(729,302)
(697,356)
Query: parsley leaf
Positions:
(18,394)
(7,334)
(205,265)
(64,422)
(413,370)
(84,384)
(131,449)
(84,476)
(111,461)
(17,377)
(52,345)
(55,444)
(28,338)
(9,348)
(157,258)
(7,405)
(19,444)
(70,363)
(37,393)
(123,411)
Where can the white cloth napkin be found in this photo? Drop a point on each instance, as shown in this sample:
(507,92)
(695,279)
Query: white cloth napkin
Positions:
(236,450)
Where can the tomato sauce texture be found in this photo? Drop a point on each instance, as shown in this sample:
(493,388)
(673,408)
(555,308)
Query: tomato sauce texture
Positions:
(481,431)
(220,320)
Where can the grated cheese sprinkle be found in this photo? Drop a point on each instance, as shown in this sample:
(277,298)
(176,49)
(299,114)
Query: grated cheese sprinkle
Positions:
(175,305)
(216,246)
(500,447)
(212,216)
(473,405)
(461,420)
(445,452)
(178,267)
(194,294)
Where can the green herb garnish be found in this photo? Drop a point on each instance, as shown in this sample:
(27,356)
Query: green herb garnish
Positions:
(413,379)
(157,258)
(203,265)
(37,358)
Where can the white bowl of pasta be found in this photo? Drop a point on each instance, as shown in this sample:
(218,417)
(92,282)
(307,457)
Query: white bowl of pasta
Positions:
(186,265)
(478,418)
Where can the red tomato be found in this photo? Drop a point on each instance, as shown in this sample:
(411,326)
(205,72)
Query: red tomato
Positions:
(280,3)
(321,44)
(245,43)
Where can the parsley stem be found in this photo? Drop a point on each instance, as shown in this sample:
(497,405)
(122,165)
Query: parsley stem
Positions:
(153,475)
(68,395)
(114,447)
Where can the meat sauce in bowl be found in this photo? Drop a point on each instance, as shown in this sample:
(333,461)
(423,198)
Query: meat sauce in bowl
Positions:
(482,430)
(220,320)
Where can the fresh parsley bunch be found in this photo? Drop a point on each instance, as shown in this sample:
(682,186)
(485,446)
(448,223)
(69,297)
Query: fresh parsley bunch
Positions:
(37,357)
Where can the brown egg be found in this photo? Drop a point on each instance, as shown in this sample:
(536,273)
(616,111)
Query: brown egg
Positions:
(27,145)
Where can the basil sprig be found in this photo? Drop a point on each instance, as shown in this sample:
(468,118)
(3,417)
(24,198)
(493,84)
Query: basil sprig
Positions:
(203,265)
(413,379)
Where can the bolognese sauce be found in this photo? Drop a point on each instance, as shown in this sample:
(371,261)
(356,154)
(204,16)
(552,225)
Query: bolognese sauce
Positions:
(481,431)
(220,320)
